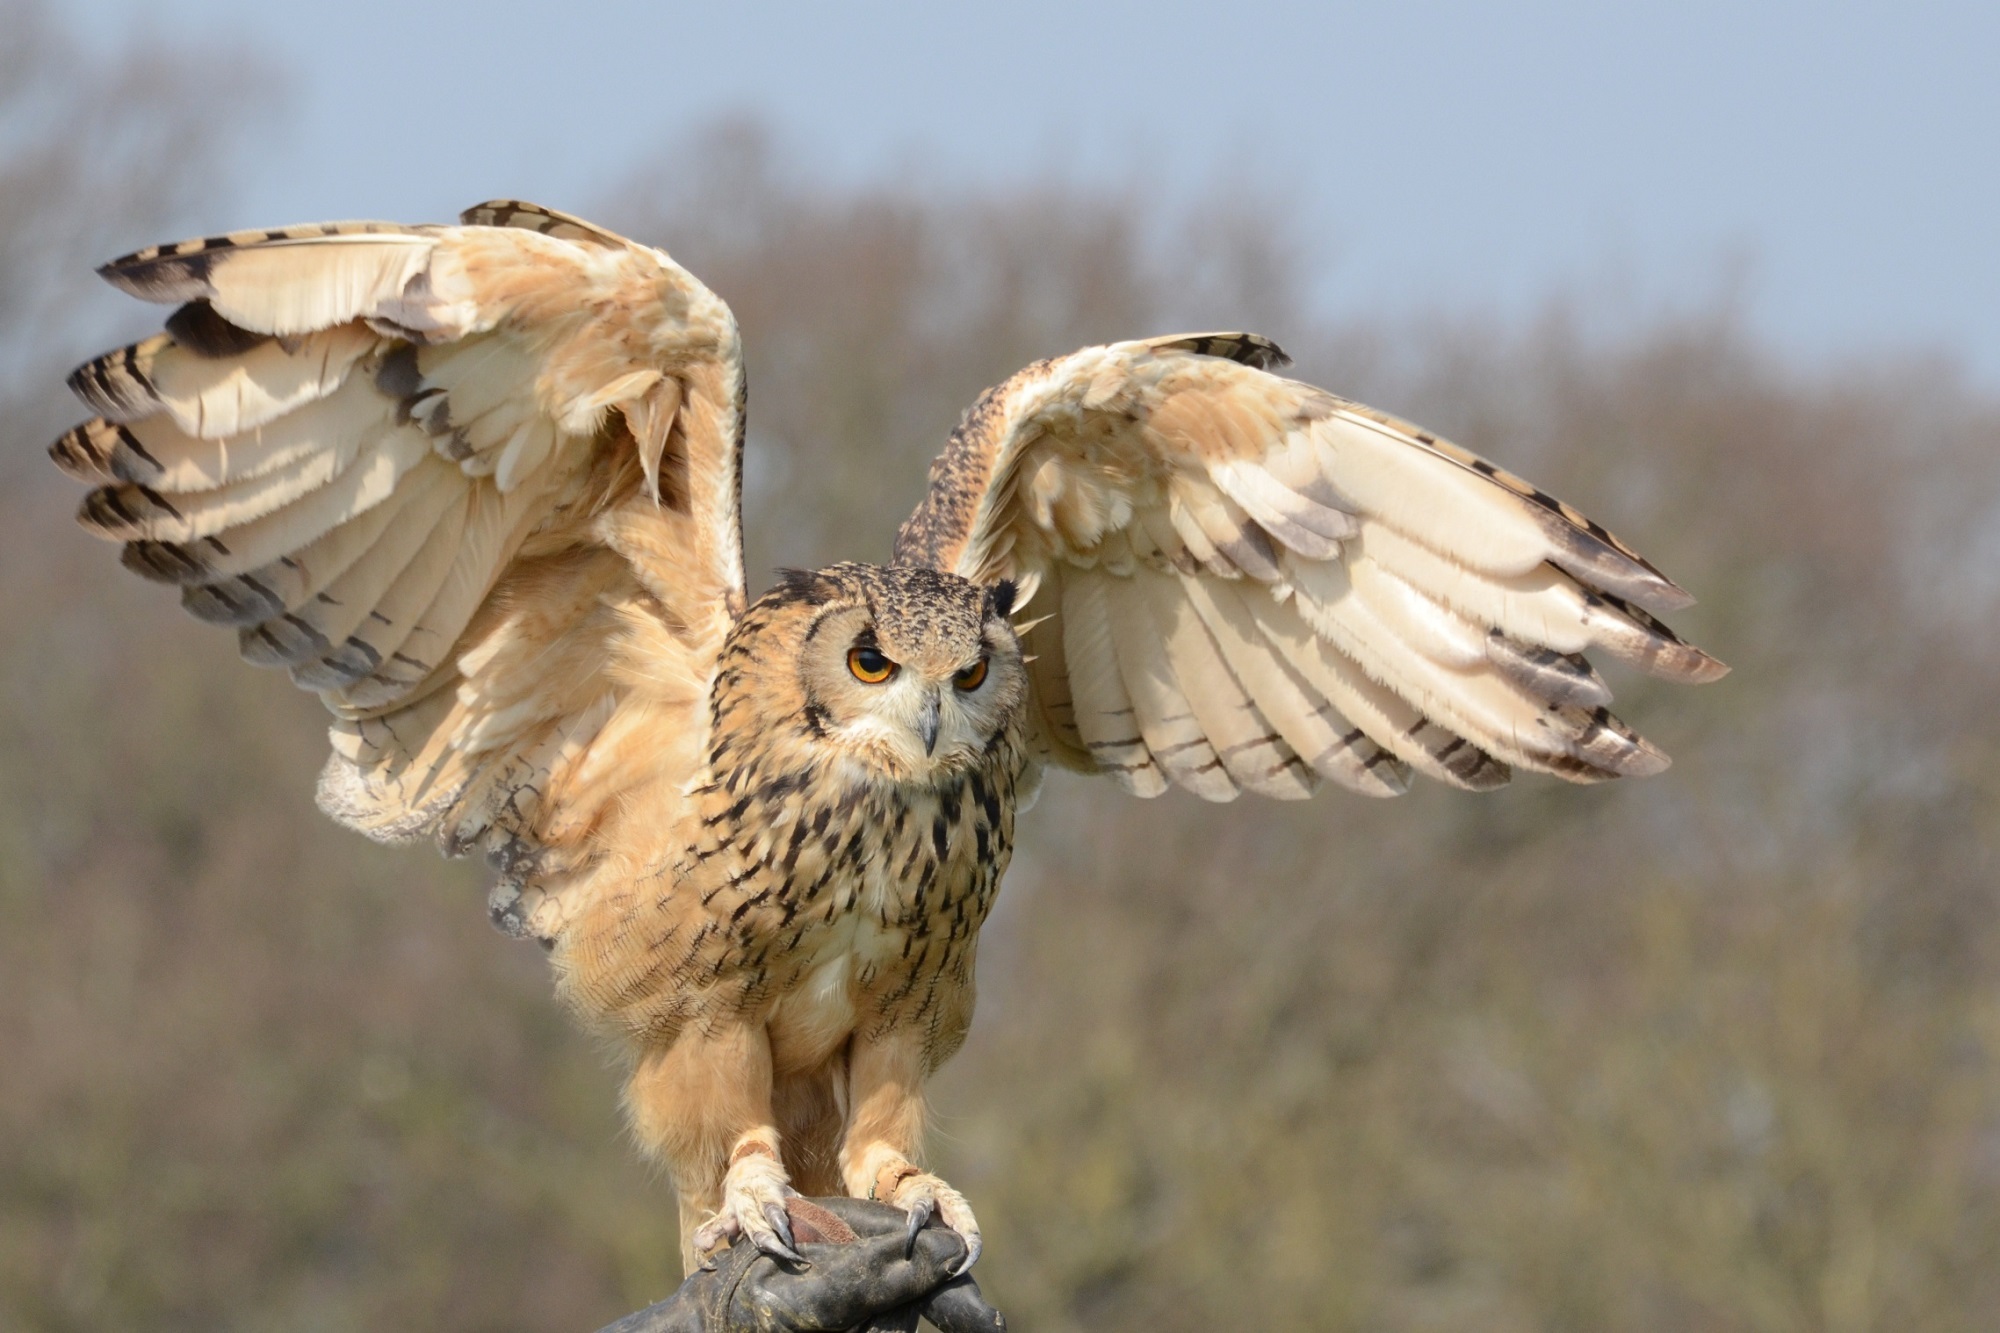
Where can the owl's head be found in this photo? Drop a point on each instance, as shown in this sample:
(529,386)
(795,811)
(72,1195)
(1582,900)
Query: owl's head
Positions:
(902,672)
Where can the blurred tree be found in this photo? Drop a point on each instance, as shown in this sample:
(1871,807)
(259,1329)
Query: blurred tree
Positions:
(1715,1051)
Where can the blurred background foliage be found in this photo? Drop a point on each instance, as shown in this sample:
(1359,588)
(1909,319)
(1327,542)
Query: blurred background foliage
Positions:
(1716,1051)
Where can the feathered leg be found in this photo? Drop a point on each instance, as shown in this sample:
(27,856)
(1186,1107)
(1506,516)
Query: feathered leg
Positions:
(703,1106)
(810,1107)
(885,1135)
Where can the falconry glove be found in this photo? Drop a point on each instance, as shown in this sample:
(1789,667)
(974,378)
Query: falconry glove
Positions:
(863,1270)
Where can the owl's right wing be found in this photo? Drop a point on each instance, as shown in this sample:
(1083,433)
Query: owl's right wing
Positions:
(474,485)
(1239,582)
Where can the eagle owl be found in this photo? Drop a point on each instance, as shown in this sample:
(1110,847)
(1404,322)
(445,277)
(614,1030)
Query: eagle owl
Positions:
(478,487)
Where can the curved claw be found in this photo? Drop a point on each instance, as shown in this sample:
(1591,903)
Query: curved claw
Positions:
(973,1245)
(925,1198)
(774,1245)
(781,1241)
(920,1213)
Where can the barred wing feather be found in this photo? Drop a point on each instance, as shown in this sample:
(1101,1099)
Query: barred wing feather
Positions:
(458,480)
(1248,584)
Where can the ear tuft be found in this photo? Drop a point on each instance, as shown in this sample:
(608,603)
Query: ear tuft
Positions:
(1001,597)
(800,585)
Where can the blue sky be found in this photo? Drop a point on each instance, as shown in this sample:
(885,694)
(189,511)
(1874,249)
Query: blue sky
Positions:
(1841,162)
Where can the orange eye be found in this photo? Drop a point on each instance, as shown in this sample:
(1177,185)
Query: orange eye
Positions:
(972,677)
(869,666)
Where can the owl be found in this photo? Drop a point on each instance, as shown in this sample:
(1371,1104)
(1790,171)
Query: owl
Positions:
(478,487)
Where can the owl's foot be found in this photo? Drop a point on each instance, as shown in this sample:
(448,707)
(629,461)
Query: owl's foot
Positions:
(924,1196)
(753,1206)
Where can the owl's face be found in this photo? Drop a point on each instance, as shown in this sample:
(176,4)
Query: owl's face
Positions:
(908,673)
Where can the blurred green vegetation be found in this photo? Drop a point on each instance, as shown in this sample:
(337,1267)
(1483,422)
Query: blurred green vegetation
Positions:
(1715,1051)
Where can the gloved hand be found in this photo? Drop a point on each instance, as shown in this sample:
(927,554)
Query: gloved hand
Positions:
(862,1270)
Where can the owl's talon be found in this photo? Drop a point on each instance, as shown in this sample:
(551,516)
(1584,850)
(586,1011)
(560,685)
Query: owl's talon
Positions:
(923,1197)
(781,1223)
(772,1245)
(715,1233)
(753,1208)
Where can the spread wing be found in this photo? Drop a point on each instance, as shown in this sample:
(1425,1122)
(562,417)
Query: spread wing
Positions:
(1244,583)
(475,485)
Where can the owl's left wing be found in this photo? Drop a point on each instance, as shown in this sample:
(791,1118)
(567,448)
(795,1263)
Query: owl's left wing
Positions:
(1239,582)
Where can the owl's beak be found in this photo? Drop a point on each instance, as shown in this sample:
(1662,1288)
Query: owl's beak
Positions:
(927,721)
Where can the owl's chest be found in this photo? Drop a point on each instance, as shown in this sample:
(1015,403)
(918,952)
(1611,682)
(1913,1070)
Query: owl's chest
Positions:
(856,907)
(912,873)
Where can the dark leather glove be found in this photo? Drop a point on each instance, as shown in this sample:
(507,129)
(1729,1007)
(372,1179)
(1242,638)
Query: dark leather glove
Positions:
(863,1270)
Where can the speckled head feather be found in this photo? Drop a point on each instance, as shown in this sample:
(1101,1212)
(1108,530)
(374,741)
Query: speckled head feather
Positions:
(788,694)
